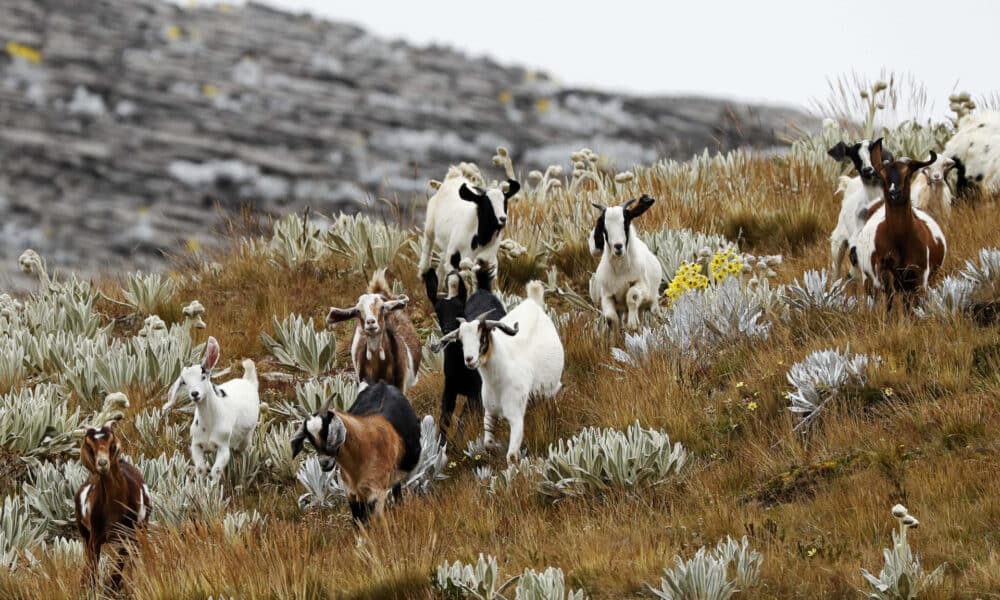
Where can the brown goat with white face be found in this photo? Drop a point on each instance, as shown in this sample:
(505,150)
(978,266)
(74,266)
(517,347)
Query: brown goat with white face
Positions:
(111,505)
(386,346)
(900,247)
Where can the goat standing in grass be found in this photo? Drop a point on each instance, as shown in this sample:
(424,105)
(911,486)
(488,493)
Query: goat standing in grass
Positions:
(459,379)
(225,416)
(386,346)
(376,443)
(111,504)
(627,280)
(464,222)
(518,357)
(900,248)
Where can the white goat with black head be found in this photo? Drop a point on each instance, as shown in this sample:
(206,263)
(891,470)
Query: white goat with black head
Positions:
(627,280)
(225,416)
(464,222)
(518,357)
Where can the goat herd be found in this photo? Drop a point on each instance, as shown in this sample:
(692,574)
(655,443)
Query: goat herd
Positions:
(497,360)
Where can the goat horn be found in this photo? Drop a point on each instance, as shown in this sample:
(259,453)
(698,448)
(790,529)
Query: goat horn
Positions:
(628,203)
(483,316)
(503,327)
(448,338)
(598,206)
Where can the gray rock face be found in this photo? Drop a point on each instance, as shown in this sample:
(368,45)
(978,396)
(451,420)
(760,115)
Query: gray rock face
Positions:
(144,126)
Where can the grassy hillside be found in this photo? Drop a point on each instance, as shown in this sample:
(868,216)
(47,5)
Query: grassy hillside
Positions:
(917,428)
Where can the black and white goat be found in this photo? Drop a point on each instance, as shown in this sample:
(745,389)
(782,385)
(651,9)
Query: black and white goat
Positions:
(459,379)
(376,443)
(859,194)
(519,357)
(627,280)
(464,222)
(225,416)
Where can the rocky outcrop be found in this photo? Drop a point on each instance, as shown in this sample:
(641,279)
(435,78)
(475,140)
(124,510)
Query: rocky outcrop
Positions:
(138,126)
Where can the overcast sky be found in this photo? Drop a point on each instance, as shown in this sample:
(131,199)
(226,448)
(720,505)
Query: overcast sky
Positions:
(779,52)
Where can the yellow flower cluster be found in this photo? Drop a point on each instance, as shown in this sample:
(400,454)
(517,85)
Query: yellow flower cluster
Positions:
(688,278)
(725,264)
(26,53)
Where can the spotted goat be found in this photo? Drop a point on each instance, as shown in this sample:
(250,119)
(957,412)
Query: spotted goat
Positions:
(386,346)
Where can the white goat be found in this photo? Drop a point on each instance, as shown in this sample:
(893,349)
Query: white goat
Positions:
(225,416)
(929,190)
(859,194)
(464,222)
(975,148)
(628,276)
(519,357)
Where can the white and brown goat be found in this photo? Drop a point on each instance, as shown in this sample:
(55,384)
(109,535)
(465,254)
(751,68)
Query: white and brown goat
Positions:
(900,247)
(376,443)
(111,504)
(386,346)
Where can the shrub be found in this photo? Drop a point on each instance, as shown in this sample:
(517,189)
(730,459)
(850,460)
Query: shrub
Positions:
(366,244)
(312,394)
(819,379)
(150,294)
(433,458)
(902,577)
(36,421)
(50,493)
(19,533)
(714,574)
(297,344)
(482,580)
(597,459)
(819,291)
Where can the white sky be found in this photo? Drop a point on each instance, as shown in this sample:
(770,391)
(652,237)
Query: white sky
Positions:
(778,52)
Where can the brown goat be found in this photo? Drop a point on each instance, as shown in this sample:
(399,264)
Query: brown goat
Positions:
(386,346)
(111,504)
(899,248)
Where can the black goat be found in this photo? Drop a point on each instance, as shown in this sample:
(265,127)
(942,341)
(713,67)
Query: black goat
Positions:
(451,310)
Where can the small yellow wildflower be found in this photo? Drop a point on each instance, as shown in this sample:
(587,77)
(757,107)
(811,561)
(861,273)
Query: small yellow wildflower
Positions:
(752,406)
(193,245)
(478,457)
(739,384)
(451,465)
(888,392)
(210,90)
(173,33)
(25,53)
(505,97)
(811,552)
(543,104)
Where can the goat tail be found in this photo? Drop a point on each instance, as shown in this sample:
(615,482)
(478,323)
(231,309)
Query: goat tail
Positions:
(250,371)
(536,291)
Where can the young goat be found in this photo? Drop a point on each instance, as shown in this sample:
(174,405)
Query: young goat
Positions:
(975,148)
(464,222)
(391,349)
(929,190)
(111,504)
(627,280)
(458,378)
(225,416)
(518,357)
(376,443)
(900,248)
(859,194)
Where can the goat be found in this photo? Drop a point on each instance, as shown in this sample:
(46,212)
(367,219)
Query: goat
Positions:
(525,361)
(111,505)
(225,416)
(391,350)
(900,248)
(975,149)
(627,279)
(859,194)
(929,190)
(458,378)
(376,443)
(464,222)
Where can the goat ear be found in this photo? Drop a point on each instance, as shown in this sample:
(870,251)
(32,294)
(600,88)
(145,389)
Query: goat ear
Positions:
(949,164)
(513,187)
(336,433)
(878,157)
(645,203)
(336,315)
(838,152)
(212,352)
(298,440)
(466,193)
(448,338)
(397,304)
(172,396)
(597,238)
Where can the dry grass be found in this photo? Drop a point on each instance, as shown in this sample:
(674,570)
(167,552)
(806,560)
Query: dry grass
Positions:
(817,508)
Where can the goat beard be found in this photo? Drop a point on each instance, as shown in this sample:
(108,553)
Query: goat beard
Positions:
(372,343)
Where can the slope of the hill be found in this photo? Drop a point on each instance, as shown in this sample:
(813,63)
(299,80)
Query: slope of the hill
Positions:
(137,117)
